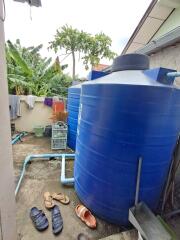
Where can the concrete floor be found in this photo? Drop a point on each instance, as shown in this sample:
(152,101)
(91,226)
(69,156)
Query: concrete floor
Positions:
(44,176)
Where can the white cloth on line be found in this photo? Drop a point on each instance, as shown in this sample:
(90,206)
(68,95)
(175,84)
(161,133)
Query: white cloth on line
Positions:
(30,100)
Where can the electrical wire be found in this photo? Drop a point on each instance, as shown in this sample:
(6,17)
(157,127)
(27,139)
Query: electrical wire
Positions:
(2,18)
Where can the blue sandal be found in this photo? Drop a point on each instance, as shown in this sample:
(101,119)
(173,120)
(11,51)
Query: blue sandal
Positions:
(57,221)
(39,219)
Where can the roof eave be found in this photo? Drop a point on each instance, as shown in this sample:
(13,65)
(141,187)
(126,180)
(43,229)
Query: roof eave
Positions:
(166,40)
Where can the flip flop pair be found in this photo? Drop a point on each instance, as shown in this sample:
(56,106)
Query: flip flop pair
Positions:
(48,199)
(86,216)
(41,223)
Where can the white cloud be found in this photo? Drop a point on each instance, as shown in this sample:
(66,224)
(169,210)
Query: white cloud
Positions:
(116,18)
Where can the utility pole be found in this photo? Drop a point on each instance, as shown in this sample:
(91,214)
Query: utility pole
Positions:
(7,196)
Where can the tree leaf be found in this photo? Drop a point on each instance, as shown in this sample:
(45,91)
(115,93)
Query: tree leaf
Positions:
(18,59)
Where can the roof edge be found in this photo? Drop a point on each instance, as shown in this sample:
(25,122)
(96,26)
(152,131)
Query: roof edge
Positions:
(166,40)
(143,19)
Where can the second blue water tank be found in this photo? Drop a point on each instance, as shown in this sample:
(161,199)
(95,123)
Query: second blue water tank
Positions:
(73,111)
(123,116)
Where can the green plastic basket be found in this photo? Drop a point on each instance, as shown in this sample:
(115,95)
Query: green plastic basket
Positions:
(39,131)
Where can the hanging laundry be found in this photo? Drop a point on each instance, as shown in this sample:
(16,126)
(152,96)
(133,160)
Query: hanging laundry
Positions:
(30,100)
(48,101)
(14,106)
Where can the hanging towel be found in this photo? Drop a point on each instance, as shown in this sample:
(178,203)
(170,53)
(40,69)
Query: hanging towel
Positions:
(14,106)
(30,100)
(48,101)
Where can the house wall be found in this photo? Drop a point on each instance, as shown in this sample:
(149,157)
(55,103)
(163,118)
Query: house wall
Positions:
(171,23)
(7,188)
(168,57)
(39,115)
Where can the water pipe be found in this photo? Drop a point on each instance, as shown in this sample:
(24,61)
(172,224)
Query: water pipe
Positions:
(18,137)
(63,179)
(173,74)
(63,156)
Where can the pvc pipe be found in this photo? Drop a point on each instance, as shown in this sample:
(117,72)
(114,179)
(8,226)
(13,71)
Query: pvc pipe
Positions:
(63,179)
(173,74)
(47,156)
(18,137)
(27,159)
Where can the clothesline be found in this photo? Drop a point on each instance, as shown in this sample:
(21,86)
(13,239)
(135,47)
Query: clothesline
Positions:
(15,103)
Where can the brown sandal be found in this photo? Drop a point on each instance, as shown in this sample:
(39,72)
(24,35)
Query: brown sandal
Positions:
(86,216)
(48,200)
(61,198)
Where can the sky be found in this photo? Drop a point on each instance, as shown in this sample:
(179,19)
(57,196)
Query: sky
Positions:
(33,26)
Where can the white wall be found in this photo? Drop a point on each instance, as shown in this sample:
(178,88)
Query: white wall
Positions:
(39,115)
(7,188)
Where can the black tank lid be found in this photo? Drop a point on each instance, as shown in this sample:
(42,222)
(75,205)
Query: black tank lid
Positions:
(131,61)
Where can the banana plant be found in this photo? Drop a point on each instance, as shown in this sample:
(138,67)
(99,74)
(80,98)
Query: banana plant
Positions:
(29,73)
(14,54)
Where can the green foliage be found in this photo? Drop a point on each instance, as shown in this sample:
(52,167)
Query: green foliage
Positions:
(59,85)
(29,73)
(69,39)
(91,48)
(97,48)
(15,55)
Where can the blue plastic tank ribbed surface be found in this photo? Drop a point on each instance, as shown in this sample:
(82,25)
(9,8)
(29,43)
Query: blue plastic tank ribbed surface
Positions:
(73,111)
(123,116)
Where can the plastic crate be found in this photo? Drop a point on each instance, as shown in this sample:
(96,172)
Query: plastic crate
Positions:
(59,133)
(59,130)
(58,143)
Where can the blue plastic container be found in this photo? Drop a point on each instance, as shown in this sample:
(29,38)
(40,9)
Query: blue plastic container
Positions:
(123,116)
(73,111)
(96,74)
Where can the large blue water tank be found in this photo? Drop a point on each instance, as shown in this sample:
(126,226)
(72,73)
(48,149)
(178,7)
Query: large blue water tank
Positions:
(73,111)
(123,116)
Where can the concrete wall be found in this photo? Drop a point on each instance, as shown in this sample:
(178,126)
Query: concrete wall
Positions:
(39,115)
(7,188)
(168,57)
